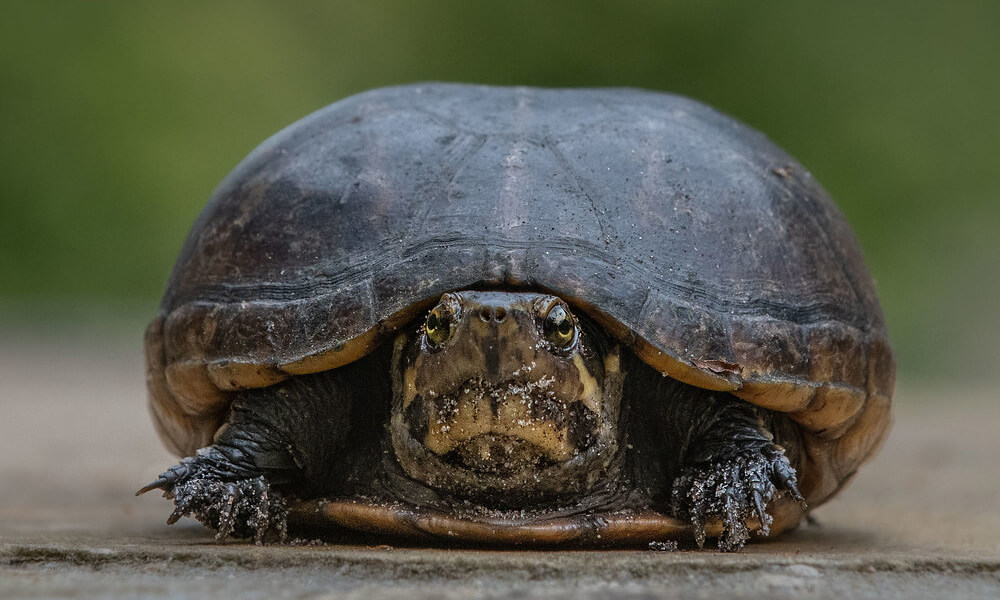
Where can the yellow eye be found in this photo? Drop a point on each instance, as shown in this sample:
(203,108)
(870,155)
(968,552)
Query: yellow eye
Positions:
(558,327)
(438,326)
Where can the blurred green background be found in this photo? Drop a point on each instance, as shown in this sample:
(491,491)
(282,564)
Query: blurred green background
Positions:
(117,119)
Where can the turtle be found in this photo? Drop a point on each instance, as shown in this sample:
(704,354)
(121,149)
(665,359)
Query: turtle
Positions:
(513,316)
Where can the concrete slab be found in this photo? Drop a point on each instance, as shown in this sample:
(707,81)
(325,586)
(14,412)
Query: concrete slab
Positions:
(75,442)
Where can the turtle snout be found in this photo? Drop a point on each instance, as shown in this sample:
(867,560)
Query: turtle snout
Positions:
(495,314)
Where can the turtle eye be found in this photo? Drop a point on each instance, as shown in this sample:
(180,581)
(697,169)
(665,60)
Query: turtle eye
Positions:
(438,325)
(558,327)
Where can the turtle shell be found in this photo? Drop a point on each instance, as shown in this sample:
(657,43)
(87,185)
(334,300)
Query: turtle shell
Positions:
(692,238)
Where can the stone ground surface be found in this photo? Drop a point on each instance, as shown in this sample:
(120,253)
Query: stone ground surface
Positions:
(923,520)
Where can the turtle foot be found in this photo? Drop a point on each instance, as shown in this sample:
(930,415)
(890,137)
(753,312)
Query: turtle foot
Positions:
(237,507)
(734,490)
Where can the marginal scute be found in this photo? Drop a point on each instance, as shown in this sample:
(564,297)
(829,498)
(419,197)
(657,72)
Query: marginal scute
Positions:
(818,480)
(338,356)
(193,389)
(689,374)
(769,347)
(830,407)
(184,329)
(231,376)
(838,354)
(865,437)
(175,428)
(668,322)
(786,395)
(881,369)
(171,424)
(182,432)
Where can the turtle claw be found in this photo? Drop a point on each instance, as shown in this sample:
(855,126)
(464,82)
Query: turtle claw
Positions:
(243,507)
(734,490)
(759,507)
(160,483)
(786,478)
(175,516)
(167,480)
(232,497)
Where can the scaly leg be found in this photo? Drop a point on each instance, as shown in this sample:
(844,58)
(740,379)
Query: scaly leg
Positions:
(276,439)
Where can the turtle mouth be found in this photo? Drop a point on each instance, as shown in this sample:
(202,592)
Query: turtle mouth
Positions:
(520,424)
(498,454)
(502,443)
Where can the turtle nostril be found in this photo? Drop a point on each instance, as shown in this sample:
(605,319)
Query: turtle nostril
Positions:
(486,314)
(500,314)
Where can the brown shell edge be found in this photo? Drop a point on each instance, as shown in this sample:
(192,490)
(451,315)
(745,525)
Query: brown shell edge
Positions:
(188,400)
(181,433)
(612,529)
(842,425)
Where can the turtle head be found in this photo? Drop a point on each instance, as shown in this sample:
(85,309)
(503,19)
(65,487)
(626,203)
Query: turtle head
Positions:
(500,391)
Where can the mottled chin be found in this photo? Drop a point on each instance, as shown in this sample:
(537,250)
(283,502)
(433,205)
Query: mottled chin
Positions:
(536,428)
(504,427)
(501,455)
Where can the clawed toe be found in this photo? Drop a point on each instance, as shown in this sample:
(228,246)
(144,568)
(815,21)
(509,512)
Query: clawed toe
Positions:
(244,508)
(231,498)
(759,504)
(733,491)
(161,483)
(175,516)
(169,479)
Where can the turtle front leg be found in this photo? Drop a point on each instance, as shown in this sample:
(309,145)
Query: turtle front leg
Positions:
(276,440)
(731,469)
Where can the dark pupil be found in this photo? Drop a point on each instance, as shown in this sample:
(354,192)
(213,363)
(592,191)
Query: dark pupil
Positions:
(564,326)
(559,322)
(432,322)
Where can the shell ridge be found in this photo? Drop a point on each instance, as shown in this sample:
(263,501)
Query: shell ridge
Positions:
(710,300)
